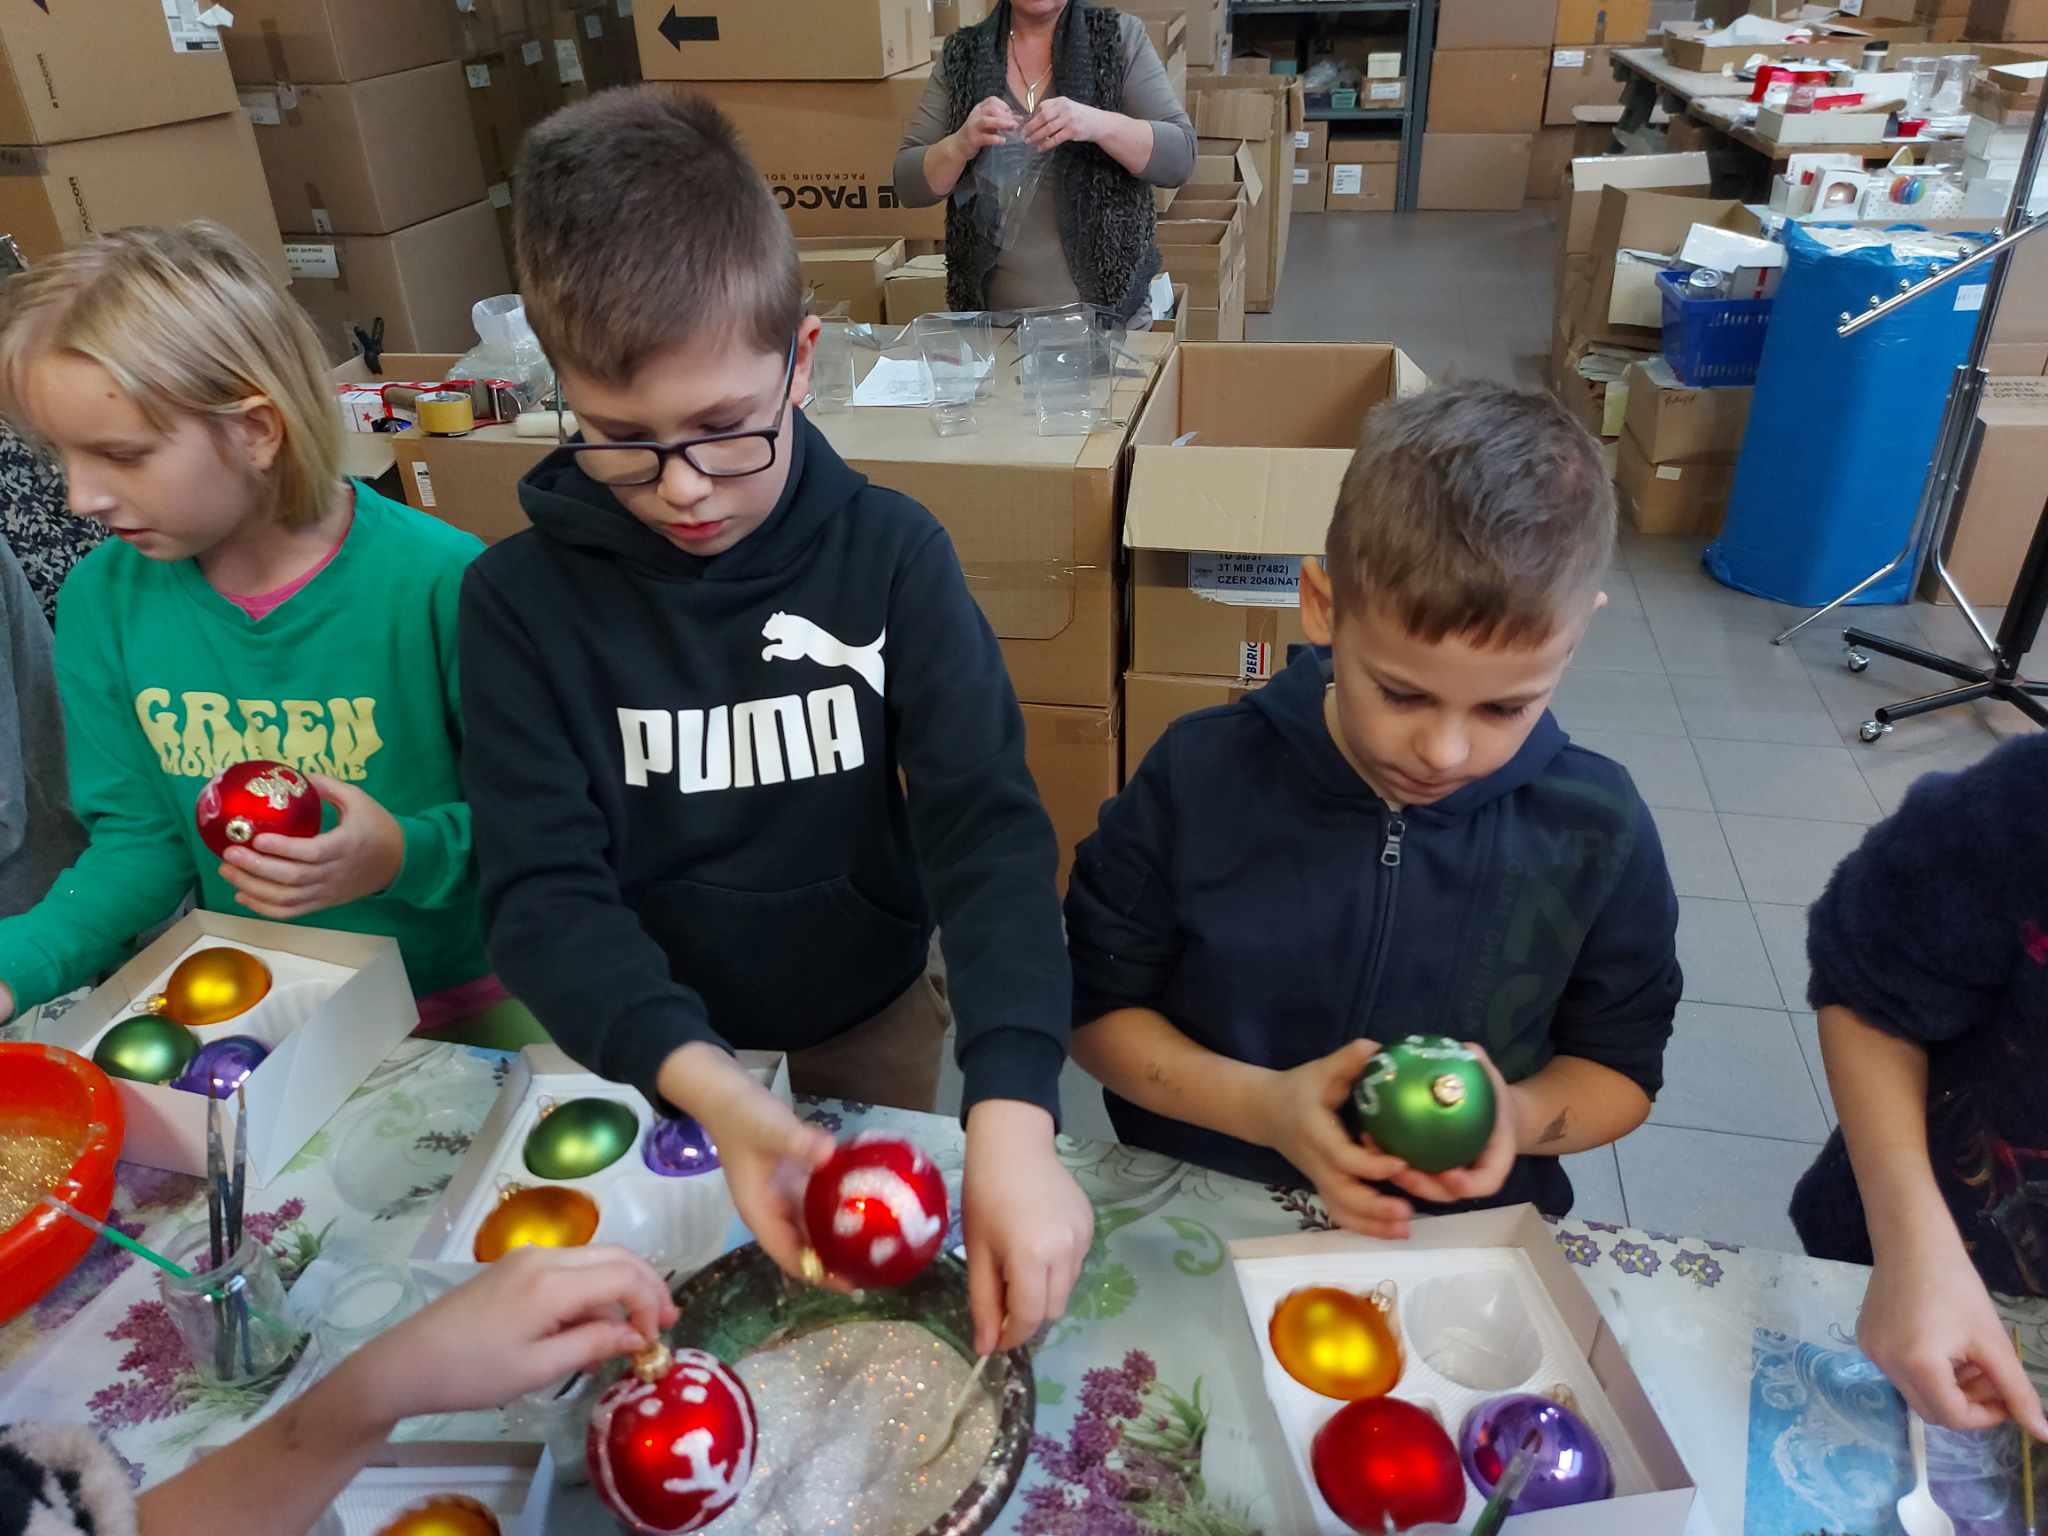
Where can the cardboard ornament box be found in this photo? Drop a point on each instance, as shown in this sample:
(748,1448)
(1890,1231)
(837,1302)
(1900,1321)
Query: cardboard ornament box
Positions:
(828,150)
(849,270)
(918,287)
(1493,90)
(1462,24)
(368,158)
(337,1004)
(1208,28)
(85,71)
(1588,22)
(1311,188)
(1076,760)
(56,195)
(1658,498)
(1235,468)
(1263,113)
(1153,701)
(811,40)
(420,281)
(331,42)
(1475,170)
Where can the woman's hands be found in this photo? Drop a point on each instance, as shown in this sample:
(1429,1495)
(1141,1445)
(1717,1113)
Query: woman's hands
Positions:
(1061,120)
(990,122)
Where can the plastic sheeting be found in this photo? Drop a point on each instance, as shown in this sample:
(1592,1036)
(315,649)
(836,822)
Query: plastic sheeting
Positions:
(1842,429)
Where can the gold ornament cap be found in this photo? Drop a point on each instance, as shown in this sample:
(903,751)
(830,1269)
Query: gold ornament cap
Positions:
(1448,1090)
(653,1362)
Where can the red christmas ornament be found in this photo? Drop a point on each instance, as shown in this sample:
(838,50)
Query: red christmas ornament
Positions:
(1380,1460)
(876,1213)
(671,1445)
(241,803)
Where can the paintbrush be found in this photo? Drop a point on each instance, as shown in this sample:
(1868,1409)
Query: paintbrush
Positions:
(216,1223)
(2026,1447)
(170,1267)
(1510,1486)
(237,1188)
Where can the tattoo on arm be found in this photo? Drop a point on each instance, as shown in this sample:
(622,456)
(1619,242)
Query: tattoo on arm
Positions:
(1555,1131)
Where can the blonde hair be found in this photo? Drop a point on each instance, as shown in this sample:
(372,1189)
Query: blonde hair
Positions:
(185,320)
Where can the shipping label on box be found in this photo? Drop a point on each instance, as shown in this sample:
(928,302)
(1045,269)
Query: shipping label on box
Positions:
(1246,581)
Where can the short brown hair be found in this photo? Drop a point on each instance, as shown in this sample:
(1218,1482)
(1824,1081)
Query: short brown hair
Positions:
(1473,510)
(641,224)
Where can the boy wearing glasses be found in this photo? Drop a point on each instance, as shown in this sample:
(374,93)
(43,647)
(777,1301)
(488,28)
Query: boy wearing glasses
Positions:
(695,692)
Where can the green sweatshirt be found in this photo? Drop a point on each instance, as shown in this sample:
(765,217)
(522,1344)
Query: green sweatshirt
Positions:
(165,682)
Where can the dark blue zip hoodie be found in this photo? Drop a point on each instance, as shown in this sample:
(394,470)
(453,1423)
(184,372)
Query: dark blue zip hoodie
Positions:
(687,782)
(1250,886)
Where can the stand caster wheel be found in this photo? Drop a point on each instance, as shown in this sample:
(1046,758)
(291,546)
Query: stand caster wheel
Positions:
(1870,730)
(1859,662)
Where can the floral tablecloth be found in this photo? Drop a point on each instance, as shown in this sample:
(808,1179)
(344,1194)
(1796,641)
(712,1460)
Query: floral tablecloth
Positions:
(1151,1414)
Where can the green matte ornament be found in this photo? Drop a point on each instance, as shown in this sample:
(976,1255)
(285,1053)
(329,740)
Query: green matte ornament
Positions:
(145,1049)
(1426,1100)
(578,1138)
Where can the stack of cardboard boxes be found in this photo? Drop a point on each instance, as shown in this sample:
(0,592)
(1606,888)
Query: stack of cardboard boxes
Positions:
(1487,82)
(362,119)
(1312,168)
(1581,75)
(1250,122)
(123,113)
(2005,21)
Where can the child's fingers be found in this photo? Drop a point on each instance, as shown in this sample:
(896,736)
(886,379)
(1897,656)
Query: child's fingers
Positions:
(297,851)
(578,1349)
(2002,1369)
(1024,1294)
(278,864)
(984,1296)
(1436,1189)
(1354,1159)
(1343,1068)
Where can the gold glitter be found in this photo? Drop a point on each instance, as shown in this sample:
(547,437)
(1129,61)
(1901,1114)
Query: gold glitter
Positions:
(846,1414)
(33,1162)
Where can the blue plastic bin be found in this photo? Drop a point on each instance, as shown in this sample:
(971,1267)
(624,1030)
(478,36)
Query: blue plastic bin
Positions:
(1711,341)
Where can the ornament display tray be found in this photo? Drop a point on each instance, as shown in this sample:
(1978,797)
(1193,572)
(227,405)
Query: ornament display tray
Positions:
(338,1003)
(1540,1328)
(514,1482)
(678,1224)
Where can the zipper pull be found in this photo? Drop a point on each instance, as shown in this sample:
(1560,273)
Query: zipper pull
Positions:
(1390,851)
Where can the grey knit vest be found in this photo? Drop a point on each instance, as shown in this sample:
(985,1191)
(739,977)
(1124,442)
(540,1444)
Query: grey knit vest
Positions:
(1106,220)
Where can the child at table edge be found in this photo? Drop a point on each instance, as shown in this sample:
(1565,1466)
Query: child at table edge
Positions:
(1929,972)
(1393,837)
(695,700)
(254,603)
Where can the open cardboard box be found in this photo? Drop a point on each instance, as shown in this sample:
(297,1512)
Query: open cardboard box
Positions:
(514,1481)
(329,1037)
(1235,466)
(681,1222)
(1512,1241)
(1621,304)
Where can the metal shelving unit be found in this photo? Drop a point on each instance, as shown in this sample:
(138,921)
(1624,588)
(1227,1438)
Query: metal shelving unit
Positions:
(1418,44)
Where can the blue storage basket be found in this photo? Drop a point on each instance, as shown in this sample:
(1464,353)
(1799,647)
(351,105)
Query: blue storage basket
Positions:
(1711,341)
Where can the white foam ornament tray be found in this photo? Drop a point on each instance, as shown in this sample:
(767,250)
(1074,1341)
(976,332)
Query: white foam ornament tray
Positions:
(678,1223)
(1474,1324)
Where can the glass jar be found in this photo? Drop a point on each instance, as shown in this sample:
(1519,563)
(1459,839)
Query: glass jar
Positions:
(232,1318)
(362,1305)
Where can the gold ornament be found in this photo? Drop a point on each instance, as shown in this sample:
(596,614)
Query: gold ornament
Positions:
(448,1514)
(1336,1343)
(211,987)
(536,1217)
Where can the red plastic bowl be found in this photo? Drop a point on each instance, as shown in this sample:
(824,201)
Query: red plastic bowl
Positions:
(45,1089)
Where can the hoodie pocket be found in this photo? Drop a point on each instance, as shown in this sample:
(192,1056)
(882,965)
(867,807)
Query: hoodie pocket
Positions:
(783,969)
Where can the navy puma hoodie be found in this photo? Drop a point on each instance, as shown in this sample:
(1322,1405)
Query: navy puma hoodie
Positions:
(1250,886)
(687,781)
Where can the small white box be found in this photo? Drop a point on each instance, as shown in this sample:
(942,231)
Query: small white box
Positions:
(1383,66)
(1994,141)
(1512,1252)
(337,1004)
(513,1481)
(1842,127)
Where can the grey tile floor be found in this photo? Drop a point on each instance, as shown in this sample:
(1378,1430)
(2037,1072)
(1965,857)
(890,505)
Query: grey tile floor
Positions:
(1747,753)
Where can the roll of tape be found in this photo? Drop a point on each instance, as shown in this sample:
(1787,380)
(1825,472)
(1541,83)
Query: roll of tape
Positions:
(446,413)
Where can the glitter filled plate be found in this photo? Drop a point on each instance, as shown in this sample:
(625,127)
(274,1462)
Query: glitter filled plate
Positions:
(60,1132)
(742,1304)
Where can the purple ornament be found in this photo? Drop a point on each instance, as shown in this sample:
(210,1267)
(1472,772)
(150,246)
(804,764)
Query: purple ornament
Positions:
(677,1148)
(220,1066)
(1571,1464)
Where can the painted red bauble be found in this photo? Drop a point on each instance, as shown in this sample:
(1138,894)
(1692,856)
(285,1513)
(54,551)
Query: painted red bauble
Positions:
(671,1445)
(1382,1459)
(876,1213)
(241,803)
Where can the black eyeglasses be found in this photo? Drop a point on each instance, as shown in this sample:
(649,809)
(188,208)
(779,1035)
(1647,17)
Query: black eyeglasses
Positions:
(722,456)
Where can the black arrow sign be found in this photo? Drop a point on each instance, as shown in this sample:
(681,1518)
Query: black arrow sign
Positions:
(684,29)
(43,6)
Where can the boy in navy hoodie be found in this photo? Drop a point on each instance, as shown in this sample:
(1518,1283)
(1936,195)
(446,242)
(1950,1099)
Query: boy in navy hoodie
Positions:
(1393,837)
(695,690)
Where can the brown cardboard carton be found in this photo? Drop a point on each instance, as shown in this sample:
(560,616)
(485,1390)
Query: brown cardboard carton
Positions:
(806,40)
(1489,90)
(331,42)
(949,16)
(1582,23)
(1674,423)
(471,482)
(1208,45)
(83,71)
(476,30)
(60,194)
(1153,701)
(1464,24)
(1550,157)
(611,56)
(2016,359)
(1671,498)
(368,158)
(1312,145)
(1218,525)
(1687,51)
(1264,112)
(1474,170)
(1994,21)
(1075,757)
(1590,174)
(1360,188)
(1222,321)
(420,281)
(1579,77)
(1311,188)
(849,270)
(828,150)
(497,112)
(1992,528)
(1169,36)
(1205,252)
(1642,219)
(918,287)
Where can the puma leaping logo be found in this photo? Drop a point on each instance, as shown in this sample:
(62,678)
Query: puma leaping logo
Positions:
(792,637)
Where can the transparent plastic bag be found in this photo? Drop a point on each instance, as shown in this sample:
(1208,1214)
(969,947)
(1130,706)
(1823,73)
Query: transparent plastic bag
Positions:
(1006,179)
(507,353)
